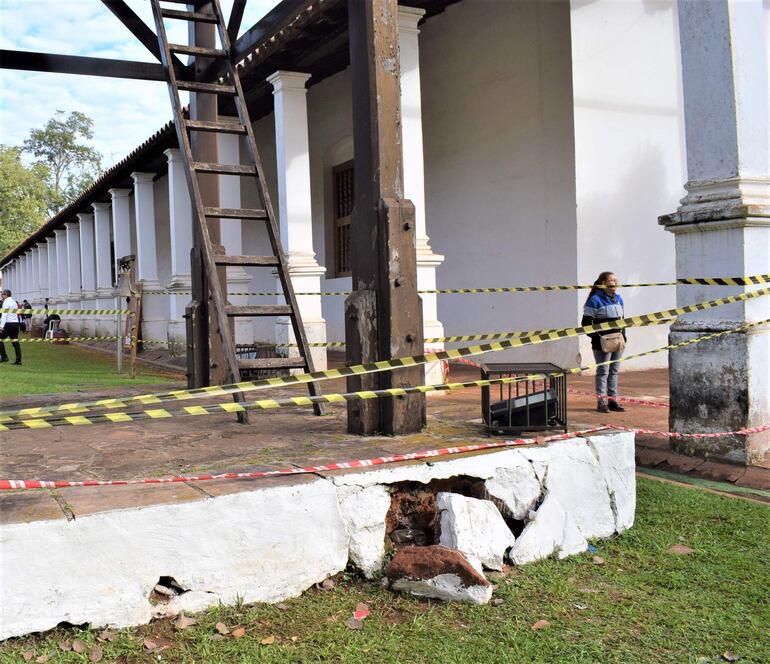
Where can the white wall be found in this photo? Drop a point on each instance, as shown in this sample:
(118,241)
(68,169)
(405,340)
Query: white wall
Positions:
(630,159)
(500,180)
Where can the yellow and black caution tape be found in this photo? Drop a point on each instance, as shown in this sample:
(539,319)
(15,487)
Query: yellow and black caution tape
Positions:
(489,336)
(382,365)
(71,312)
(272,404)
(694,281)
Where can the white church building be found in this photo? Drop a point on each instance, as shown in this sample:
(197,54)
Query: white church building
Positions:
(542,141)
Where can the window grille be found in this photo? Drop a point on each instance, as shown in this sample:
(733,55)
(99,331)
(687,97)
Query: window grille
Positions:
(343,209)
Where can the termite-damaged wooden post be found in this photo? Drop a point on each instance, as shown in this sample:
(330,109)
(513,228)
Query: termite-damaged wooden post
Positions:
(206,344)
(383,314)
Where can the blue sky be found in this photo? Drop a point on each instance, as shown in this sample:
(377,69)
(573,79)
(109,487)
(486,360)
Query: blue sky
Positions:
(125,112)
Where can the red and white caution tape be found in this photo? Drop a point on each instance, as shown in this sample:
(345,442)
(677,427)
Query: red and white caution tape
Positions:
(642,402)
(6,485)
(677,434)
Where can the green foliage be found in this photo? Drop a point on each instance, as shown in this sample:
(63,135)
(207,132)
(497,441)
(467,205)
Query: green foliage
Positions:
(71,165)
(23,198)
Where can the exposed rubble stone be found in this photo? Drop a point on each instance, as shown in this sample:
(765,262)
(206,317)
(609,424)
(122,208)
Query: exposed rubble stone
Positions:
(475,528)
(437,572)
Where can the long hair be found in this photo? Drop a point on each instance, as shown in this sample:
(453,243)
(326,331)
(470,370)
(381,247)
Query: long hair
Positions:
(601,281)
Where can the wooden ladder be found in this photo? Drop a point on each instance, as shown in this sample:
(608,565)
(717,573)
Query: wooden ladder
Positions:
(212,260)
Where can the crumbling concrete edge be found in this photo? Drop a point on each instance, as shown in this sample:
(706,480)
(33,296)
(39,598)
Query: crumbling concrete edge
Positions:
(272,543)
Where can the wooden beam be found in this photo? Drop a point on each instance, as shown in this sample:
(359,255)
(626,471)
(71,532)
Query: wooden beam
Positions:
(236,16)
(383,314)
(275,20)
(75,64)
(138,28)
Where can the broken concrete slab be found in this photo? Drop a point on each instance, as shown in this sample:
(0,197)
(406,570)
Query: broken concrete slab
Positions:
(439,573)
(475,528)
(363,511)
(516,486)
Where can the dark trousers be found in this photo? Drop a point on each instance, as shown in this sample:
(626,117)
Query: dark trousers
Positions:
(10,331)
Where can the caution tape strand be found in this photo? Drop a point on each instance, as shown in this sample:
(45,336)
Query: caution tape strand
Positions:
(749,280)
(379,366)
(29,484)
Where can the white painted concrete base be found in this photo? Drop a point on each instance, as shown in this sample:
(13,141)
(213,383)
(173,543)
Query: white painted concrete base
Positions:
(268,544)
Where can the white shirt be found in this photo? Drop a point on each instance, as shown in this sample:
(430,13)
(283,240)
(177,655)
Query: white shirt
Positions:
(9,316)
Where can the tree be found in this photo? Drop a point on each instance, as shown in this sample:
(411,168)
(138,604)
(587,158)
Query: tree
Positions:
(24,197)
(71,165)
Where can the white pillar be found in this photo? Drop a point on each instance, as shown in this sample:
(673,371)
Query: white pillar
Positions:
(35,275)
(62,274)
(414,179)
(24,292)
(73,275)
(105,323)
(722,227)
(42,264)
(294,207)
(154,308)
(121,224)
(53,271)
(238,280)
(88,271)
(181,229)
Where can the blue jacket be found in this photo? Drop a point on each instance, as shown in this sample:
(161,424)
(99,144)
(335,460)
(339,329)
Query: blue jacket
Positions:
(598,308)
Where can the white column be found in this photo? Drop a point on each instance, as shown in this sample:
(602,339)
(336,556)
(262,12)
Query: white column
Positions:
(42,264)
(294,207)
(24,291)
(88,271)
(35,276)
(238,280)
(121,224)
(62,273)
(722,228)
(181,229)
(154,308)
(73,276)
(105,323)
(53,271)
(414,179)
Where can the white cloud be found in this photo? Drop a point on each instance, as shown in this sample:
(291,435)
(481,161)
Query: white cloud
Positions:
(125,112)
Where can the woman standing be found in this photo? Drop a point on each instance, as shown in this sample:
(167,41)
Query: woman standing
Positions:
(603,304)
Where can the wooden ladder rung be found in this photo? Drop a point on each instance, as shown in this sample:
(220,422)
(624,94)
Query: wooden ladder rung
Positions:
(211,88)
(187,49)
(273,363)
(234,213)
(258,310)
(188,16)
(224,169)
(223,127)
(246,261)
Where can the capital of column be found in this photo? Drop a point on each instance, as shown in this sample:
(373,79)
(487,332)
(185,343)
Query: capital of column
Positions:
(425,255)
(71,225)
(142,178)
(735,202)
(288,80)
(85,216)
(408,18)
(43,246)
(119,193)
(304,263)
(100,206)
(173,155)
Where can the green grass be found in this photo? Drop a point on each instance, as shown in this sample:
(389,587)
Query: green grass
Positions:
(642,605)
(54,368)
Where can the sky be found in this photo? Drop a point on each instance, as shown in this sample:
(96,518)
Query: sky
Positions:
(125,112)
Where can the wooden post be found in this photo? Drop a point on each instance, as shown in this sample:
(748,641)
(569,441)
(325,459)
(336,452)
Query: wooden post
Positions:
(204,147)
(383,314)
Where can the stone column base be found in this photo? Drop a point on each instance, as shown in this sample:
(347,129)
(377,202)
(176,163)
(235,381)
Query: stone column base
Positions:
(720,385)
(154,315)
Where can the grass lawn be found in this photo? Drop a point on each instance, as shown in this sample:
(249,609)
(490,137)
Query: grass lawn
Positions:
(54,368)
(643,604)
